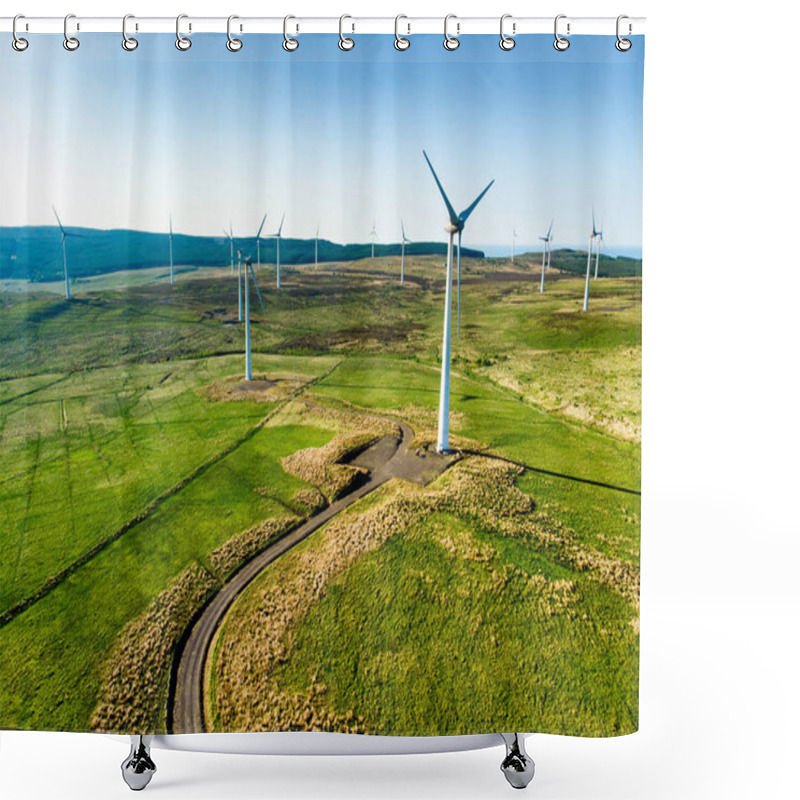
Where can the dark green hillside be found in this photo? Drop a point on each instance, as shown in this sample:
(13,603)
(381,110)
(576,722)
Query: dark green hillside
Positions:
(34,252)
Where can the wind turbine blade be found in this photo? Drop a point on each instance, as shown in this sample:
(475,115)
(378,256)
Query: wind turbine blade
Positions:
(281,226)
(467,211)
(402,229)
(170,226)
(255,283)
(450,210)
(317,234)
(550,229)
(63,232)
(261,227)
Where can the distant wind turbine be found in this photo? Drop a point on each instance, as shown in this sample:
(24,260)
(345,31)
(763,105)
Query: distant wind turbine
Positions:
(277,237)
(592,237)
(258,241)
(455,225)
(248,361)
(513,237)
(373,235)
(403,254)
(64,235)
(229,237)
(546,252)
(171,268)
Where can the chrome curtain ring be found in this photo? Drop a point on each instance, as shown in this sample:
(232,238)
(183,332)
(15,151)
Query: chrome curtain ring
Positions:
(233,44)
(290,44)
(70,42)
(623,45)
(345,43)
(507,42)
(400,42)
(18,43)
(181,42)
(560,43)
(128,42)
(450,42)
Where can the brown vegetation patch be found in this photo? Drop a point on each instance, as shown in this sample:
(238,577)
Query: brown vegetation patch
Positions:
(262,389)
(135,683)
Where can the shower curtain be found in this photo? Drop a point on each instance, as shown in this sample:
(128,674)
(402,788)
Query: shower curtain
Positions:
(320,385)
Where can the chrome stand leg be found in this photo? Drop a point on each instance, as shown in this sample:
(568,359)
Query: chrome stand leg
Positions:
(138,768)
(517,766)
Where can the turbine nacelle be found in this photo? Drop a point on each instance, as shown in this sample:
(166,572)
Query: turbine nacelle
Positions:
(454,228)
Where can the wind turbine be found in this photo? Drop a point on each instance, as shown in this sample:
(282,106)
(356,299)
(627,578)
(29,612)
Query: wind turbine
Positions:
(316,247)
(64,235)
(589,264)
(248,362)
(171,269)
(278,246)
(599,237)
(258,241)
(455,225)
(403,254)
(513,237)
(546,252)
(229,237)
(373,235)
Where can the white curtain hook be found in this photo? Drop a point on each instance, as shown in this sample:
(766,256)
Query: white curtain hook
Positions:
(70,42)
(181,42)
(345,42)
(401,42)
(450,42)
(233,44)
(128,42)
(18,43)
(507,42)
(290,44)
(623,45)
(560,43)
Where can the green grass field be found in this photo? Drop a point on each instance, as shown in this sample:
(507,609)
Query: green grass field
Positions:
(111,442)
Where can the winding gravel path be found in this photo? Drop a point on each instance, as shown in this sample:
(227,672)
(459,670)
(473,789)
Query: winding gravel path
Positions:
(187,697)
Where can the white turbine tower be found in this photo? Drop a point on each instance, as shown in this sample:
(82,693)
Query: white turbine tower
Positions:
(455,225)
(403,254)
(239,262)
(373,235)
(599,238)
(171,266)
(277,237)
(546,253)
(316,247)
(258,241)
(513,237)
(589,264)
(248,362)
(64,235)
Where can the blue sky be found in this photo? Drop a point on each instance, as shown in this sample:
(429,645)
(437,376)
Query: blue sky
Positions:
(121,140)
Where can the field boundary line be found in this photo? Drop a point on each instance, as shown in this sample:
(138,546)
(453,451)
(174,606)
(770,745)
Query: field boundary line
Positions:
(56,580)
